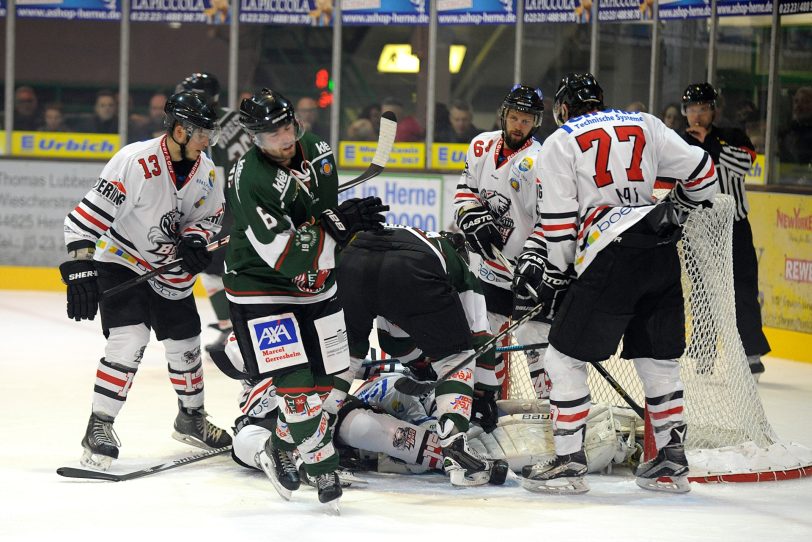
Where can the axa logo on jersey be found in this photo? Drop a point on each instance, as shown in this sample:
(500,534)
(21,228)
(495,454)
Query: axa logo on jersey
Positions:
(275,333)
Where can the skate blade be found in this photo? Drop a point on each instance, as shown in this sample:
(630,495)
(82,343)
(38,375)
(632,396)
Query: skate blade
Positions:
(557,486)
(332,508)
(347,479)
(267,467)
(666,484)
(191,441)
(459,479)
(95,461)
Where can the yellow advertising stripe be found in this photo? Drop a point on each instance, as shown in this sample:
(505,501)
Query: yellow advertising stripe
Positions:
(47,279)
(789,344)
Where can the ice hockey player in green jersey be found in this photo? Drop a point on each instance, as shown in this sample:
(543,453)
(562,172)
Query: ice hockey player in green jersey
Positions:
(280,283)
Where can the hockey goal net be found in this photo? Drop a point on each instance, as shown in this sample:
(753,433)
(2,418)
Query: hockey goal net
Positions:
(729,437)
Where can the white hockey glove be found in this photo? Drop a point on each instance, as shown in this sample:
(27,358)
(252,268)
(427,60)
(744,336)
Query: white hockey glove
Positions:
(527,277)
(480,231)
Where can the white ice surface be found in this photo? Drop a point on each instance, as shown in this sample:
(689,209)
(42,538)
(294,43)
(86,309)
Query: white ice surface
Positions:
(46,378)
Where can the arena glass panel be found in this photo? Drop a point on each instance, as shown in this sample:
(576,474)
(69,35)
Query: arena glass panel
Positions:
(624,64)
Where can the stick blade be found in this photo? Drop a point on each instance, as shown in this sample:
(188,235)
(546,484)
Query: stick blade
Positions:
(70,472)
(386,138)
(408,386)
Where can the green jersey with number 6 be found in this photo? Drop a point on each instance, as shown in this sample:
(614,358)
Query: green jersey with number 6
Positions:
(278,252)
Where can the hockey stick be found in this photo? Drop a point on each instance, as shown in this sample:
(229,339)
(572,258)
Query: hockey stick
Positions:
(499,349)
(414,387)
(386,139)
(619,389)
(70,472)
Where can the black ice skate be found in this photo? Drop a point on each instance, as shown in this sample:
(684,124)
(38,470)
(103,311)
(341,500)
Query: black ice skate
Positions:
(193,427)
(100,443)
(466,468)
(280,470)
(329,489)
(563,475)
(669,470)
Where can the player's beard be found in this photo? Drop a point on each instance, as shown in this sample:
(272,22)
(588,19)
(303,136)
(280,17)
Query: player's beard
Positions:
(515,141)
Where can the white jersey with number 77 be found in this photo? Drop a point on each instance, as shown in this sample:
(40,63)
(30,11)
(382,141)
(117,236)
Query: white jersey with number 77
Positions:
(599,172)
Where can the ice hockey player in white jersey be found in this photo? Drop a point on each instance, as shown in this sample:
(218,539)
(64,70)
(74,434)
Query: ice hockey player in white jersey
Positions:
(602,223)
(155,201)
(496,207)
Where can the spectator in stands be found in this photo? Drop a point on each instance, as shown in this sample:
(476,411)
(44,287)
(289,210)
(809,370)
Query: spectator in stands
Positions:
(152,125)
(53,119)
(307,111)
(795,145)
(373,113)
(636,107)
(672,117)
(408,127)
(460,122)
(105,117)
(26,109)
(361,129)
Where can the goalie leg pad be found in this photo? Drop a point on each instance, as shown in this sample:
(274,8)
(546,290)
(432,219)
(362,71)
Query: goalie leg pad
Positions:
(383,433)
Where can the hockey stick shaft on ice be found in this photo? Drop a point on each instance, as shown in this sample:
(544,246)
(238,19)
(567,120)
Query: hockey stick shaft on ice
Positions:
(70,472)
(385,141)
(414,387)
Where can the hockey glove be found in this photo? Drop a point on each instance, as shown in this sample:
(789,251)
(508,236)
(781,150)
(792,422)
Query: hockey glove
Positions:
(192,250)
(83,290)
(484,412)
(480,231)
(554,287)
(527,276)
(351,216)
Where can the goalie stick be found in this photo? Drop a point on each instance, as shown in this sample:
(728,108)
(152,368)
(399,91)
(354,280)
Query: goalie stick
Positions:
(386,139)
(414,387)
(70,472)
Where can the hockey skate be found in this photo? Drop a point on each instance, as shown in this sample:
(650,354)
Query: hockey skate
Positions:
(669,470)
(280,470)
(100,443)
(466,468)
(219,344)
(193,427)
(329,489)
(564,475)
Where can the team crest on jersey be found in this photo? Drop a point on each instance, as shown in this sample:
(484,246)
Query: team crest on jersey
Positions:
(326,167)
(300,404)
(311,282)
(496,203)
(404,438)
(303,240)
(163,236)
(514,184)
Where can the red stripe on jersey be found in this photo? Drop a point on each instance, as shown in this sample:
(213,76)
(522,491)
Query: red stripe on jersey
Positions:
(90,218)
(711,171)
(572,417)
(660,184)
(588,222)
(258,292)
(254,393)
(666,413)
(284,254)
(555,227)
(495,265)
(110,378)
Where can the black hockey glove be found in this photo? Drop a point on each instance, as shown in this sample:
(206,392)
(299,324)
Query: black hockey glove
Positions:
(353,215)
(484,412)
(192,250)
(554,287)
(480,231)
(527,275)
(83,289)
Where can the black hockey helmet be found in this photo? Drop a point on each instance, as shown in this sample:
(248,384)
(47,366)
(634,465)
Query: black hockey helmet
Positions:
(203,83)
(580,92)
(699,93)
(525,99)
(190,110)
(266,111)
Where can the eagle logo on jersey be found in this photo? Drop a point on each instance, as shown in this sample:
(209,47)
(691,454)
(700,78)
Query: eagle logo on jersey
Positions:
(163,236)
(404,438)
(499,207)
